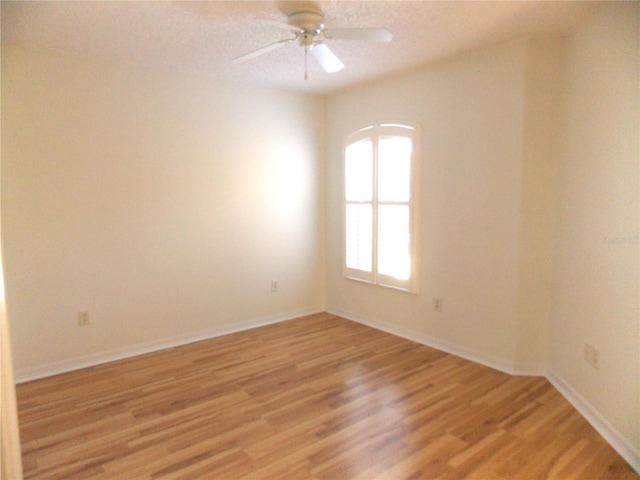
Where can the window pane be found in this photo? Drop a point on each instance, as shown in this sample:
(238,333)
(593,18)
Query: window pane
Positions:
(394,169)
(359,237)
(358,174)
(393,241)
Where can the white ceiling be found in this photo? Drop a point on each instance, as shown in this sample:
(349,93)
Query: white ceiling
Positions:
(203,37)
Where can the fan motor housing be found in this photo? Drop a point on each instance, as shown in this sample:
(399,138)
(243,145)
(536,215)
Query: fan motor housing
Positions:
(308,20)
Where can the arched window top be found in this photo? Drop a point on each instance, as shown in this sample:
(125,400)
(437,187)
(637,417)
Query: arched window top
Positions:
(380,230)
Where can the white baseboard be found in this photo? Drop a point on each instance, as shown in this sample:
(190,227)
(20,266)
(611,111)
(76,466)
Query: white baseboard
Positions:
(68,365)
(618,441)
(444,345)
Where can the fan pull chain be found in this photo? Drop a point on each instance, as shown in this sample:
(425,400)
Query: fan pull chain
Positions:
(306,51)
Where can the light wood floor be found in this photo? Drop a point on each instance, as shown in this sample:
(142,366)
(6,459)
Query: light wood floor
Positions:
(318,397)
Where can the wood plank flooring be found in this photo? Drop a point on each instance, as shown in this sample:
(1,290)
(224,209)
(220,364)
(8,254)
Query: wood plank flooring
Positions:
(313,398)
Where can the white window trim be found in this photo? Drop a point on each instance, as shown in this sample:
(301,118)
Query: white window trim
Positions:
(373,132)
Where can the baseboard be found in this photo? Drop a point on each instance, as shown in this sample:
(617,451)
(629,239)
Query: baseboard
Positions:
(33,373)
(618,441)
(444,345)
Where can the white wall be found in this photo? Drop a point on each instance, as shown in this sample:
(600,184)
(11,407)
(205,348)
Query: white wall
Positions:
(538,197)
(164,205)
(473,116)
(596,297)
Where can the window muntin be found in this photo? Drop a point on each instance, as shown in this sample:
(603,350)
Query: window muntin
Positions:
(380,198)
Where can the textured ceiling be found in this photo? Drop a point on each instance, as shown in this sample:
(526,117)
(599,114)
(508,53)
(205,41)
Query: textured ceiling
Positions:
(203,37)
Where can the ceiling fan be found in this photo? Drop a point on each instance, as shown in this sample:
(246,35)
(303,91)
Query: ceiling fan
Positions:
(310,32)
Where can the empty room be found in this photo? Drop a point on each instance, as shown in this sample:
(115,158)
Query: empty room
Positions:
(323,240)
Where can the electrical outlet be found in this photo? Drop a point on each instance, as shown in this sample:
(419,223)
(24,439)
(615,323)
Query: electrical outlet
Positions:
(592,356)
(437,304)
(83,318)
(274,286)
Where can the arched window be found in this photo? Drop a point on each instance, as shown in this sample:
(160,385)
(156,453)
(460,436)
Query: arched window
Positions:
(381,187)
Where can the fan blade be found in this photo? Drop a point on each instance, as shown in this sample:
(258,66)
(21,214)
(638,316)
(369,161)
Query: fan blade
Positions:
(261,51)
(326,58)
(372,34)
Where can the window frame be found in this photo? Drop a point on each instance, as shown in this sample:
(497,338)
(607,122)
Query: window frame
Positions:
(374,132)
